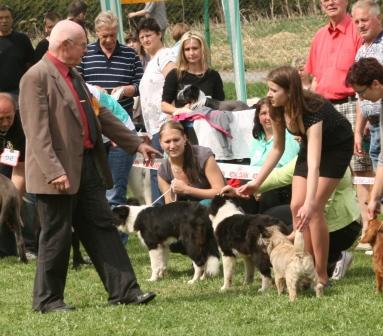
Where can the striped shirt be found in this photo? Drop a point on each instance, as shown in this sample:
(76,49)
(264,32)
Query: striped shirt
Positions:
(122,68)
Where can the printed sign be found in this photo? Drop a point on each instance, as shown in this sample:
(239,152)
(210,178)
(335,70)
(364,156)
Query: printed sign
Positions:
(10,157)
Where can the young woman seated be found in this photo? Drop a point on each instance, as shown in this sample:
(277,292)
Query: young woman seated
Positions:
(190,172)
(261,146)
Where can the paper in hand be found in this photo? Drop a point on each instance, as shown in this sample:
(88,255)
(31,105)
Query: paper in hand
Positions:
(117,94)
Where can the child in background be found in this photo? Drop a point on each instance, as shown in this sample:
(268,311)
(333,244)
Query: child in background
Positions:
(299,63)
(177,31)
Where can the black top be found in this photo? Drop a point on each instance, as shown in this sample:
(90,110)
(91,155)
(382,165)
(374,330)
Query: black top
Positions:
(335,129)
(41,49)
(210,83)
(16,55)
(15,136)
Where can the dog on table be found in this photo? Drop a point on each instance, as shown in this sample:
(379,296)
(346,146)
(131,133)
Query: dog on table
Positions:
(192,95)
(158,227)
(10,213)
(374,236)
(239,235)
(292,265)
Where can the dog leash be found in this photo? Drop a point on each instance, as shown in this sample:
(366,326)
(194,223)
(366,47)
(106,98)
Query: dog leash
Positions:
(172,193)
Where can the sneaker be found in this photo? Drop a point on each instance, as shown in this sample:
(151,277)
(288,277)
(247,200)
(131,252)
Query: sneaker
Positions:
(342,265)
(363,247)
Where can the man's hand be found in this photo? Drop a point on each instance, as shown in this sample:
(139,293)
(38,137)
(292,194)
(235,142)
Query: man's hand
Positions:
(358,150)
(148,152)
(129,91)
(61,183)
(126,91)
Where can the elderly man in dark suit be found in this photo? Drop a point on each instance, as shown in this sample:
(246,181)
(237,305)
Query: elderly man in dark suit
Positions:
(66,168)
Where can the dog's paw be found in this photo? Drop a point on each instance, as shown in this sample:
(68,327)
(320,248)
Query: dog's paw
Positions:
(262,290)
(192,281)
(319,290)
(152,279)
(224,288)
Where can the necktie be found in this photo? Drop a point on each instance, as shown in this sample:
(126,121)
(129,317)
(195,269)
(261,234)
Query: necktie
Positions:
(84,100)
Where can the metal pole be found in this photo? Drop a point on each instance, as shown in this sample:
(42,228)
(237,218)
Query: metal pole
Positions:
(233,26)
(206,22)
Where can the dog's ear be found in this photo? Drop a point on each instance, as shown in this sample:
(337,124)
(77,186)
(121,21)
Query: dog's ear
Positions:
(217,202)
(121,213)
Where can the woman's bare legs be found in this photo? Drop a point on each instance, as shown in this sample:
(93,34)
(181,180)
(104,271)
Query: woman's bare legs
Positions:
(316,235)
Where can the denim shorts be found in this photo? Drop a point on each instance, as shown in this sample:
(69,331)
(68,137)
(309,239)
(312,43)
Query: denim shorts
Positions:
(374,144)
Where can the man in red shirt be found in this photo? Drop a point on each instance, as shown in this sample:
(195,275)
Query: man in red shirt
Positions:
(332,52)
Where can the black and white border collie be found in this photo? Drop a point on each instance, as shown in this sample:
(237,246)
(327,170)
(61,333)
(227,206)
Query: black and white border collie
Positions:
(157,227)
(241,235)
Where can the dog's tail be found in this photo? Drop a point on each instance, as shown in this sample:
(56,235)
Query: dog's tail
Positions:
(212,266)
(299,243)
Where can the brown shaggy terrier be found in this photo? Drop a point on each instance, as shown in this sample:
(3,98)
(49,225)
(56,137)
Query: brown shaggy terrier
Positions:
(292,265)
(374,236)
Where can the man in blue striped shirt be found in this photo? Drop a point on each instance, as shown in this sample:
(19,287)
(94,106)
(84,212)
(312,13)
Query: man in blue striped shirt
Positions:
(117,69)
(111,65)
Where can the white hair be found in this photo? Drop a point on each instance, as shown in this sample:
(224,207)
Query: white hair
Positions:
(372,5)
(105,19)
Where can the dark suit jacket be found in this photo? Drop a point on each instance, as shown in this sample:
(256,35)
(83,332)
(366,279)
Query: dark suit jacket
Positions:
(54,132)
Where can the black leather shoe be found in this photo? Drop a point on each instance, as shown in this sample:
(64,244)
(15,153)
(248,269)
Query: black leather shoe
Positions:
(143,298)
(62,309)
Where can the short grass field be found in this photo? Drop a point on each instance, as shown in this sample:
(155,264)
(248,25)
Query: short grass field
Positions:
(349,307)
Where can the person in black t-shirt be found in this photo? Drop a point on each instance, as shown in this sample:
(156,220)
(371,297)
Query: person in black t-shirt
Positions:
(192,67)
(11,136)
(16,53)
(50,20)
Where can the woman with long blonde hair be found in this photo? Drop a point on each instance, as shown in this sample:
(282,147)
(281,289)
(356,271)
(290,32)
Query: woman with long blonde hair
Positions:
(192,68)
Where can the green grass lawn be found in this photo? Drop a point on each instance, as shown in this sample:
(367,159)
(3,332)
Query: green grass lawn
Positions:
(349,307)
(253,90)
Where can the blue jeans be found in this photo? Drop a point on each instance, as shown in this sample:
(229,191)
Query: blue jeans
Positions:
(120,163)
(156,192)
(374,144)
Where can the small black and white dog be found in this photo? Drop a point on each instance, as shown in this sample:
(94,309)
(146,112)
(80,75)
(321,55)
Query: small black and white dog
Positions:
(192,95)
(241,235)
(10,213)
(158,227)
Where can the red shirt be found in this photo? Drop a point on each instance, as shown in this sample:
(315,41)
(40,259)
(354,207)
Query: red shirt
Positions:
(331,54)
(64,71)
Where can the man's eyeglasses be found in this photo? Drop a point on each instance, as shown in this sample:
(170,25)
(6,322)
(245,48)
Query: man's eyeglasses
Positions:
(361,92)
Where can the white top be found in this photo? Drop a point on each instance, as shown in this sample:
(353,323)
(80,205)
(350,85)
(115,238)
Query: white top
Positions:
(151,86)
(241,130)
